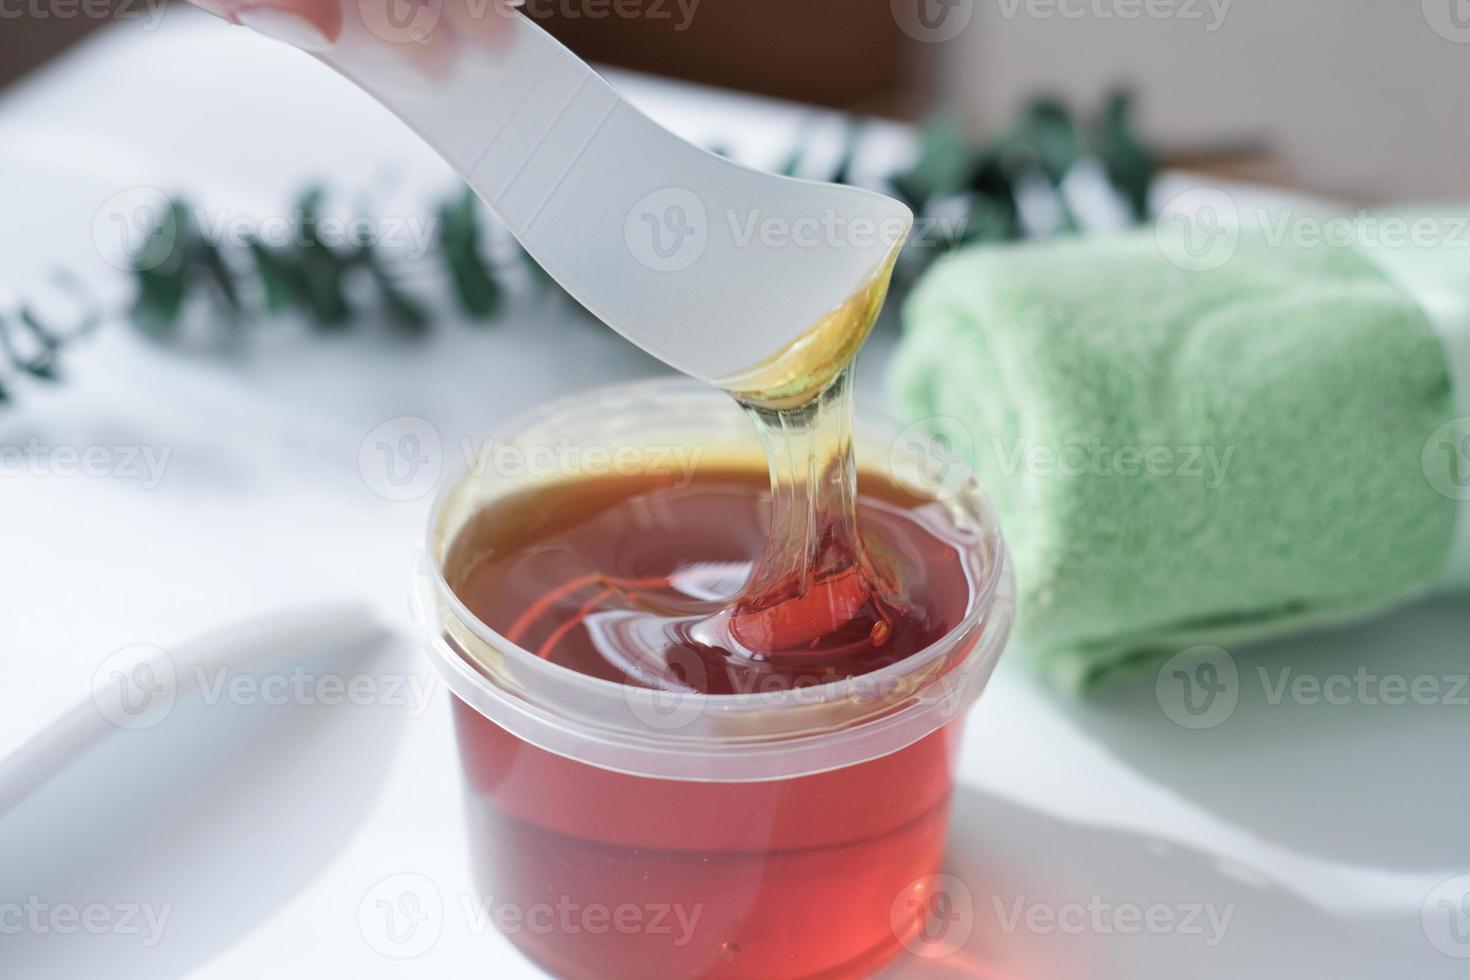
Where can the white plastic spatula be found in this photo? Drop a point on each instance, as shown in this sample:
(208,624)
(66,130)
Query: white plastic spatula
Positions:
(708,265)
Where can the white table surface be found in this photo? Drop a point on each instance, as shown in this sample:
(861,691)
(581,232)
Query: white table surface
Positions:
(1325,832)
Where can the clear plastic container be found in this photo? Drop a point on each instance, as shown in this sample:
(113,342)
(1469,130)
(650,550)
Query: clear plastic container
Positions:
(645,834)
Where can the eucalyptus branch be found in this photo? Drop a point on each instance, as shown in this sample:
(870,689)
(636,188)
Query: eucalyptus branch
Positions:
(331,285)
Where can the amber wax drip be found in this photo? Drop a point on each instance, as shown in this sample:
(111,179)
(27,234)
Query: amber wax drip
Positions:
(815,592)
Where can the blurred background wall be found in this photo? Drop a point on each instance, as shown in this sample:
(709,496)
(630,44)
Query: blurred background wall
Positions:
(1367,98)
(1363,98)
(28,40)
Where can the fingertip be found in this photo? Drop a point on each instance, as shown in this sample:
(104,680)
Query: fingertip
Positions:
(284,25)
(483,21)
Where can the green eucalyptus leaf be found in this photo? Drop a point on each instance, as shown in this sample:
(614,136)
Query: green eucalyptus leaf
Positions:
(852,141)
(165,244)
(320,271)
(790,166)
(280,285)
(475,287)
(159,301)
(322,277)
(1130,166)
(41,365)
(212,269)
(991,220)
(993,182)
(974,190)
(404,311)
(1048,131)
(43,336)
(942,166)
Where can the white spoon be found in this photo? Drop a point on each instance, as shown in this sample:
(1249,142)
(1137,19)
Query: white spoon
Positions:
(710,266)
(139,695)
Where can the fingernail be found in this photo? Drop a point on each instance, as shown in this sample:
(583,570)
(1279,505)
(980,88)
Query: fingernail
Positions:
(285,26)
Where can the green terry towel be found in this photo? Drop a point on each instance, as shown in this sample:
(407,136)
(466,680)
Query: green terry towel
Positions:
(1185,458)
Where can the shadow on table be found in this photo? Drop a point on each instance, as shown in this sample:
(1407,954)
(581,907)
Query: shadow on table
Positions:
(1032,897)
(1314,755)
(189,834)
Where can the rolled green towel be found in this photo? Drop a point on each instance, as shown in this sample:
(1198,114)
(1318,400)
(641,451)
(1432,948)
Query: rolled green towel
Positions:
(1185,458)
